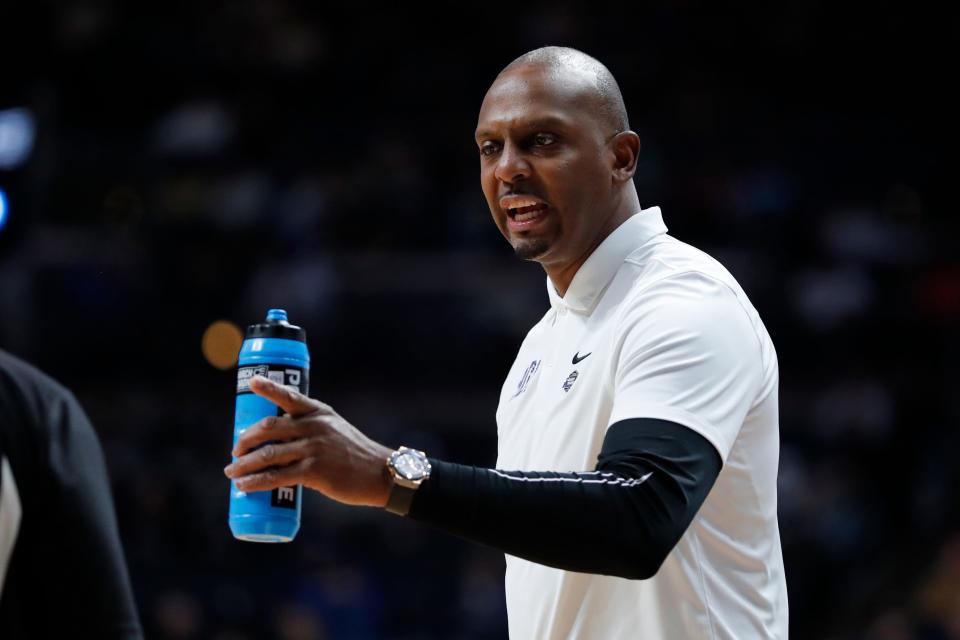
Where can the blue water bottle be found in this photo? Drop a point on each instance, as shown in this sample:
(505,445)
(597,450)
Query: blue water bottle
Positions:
(276,350)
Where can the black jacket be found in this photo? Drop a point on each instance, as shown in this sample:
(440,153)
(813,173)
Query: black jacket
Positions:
(66,575)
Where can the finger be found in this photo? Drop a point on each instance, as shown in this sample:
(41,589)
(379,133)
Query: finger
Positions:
(272,478)
(269,428)
(293,402)
(276,454)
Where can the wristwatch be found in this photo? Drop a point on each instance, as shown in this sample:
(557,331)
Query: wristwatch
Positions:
(408,468)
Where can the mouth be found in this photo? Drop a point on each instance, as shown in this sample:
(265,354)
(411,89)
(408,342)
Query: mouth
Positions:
(523,211)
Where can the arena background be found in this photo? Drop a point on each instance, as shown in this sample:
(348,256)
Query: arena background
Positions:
(167,166)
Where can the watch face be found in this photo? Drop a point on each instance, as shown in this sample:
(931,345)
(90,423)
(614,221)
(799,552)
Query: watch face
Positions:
(410,465)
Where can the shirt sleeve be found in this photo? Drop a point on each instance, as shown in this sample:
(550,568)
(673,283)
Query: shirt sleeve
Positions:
(687,353)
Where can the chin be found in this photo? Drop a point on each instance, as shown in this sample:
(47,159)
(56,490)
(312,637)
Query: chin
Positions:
(531,249)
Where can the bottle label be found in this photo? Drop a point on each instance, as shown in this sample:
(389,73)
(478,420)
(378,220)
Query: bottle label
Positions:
(281,374)
(285,497)
(290,376)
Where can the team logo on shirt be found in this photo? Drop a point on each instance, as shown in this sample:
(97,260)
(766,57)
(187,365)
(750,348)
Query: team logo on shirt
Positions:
(570,380)
(525,380)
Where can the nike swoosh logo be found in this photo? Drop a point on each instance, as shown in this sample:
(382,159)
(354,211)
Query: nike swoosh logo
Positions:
(577,358)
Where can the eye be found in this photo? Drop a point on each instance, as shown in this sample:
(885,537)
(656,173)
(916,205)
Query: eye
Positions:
(544,139)
(488,148)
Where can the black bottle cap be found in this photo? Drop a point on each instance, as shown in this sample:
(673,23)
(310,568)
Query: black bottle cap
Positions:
(276,326)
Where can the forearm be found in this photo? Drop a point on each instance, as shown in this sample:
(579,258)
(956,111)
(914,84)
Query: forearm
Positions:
(621,519)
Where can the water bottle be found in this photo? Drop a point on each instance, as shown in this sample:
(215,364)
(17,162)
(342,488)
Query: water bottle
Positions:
(276,350)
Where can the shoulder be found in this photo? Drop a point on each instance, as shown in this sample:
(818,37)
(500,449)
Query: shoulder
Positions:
(674,288)
(27,394)
(670,269)
(667,261)
(29,380)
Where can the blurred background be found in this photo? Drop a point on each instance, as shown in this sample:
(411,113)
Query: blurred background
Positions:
(166,167)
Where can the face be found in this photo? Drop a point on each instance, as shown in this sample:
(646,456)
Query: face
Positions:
(545,166)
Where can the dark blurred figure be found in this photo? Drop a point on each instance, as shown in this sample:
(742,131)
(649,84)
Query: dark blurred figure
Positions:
(62,570)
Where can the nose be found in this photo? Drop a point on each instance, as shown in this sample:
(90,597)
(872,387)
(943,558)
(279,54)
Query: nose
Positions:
(511,165)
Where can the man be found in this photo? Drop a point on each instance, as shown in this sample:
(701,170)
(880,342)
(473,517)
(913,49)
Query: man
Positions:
(638,423)
(62,571)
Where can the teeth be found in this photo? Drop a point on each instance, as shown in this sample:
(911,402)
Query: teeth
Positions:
(520,202)
(520,217)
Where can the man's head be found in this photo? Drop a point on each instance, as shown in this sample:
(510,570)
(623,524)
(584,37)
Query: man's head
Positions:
(556,156)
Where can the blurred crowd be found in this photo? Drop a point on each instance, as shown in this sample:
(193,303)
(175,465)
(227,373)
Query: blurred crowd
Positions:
(208,162)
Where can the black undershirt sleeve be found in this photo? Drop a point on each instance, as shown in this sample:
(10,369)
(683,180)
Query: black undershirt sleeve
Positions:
(622,519)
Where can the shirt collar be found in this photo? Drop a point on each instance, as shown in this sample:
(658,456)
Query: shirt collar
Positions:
(598,270)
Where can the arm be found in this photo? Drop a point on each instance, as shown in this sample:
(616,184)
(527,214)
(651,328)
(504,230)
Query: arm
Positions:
(621,519)
(685,379)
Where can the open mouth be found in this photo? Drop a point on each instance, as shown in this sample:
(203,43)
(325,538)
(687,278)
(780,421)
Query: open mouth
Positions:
(523,210)
(529,212)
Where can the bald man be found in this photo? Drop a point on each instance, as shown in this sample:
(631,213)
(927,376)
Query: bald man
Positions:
(635,488)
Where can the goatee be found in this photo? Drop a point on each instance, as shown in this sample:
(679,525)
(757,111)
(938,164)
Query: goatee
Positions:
(531,249)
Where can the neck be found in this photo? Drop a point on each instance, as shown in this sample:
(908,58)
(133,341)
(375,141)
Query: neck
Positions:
(562,272)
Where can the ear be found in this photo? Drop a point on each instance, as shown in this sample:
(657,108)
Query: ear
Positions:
(626,148)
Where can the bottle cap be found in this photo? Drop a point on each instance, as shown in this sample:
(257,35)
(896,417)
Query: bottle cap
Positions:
(276,326)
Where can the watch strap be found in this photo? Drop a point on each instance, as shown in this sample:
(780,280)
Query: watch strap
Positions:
(400,499)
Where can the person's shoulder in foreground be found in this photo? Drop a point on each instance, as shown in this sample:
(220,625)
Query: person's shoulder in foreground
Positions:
(63,552)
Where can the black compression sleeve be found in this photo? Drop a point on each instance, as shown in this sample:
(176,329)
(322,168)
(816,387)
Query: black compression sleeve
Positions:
(622,519)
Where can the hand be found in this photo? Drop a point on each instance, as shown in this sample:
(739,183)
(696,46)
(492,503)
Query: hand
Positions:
(311,445)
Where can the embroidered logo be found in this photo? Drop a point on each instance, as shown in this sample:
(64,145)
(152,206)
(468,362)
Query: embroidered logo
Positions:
(525,380)
(570,380)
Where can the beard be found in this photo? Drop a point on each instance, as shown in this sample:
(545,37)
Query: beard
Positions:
(530,249)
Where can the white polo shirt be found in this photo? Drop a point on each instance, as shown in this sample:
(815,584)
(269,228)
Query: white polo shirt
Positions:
(658,329)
